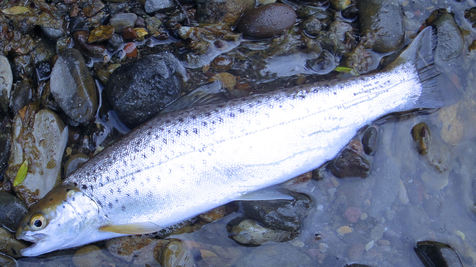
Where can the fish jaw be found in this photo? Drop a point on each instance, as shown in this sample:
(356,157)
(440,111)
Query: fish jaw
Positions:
(69,218)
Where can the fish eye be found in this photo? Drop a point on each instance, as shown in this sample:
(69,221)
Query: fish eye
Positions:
(37,222)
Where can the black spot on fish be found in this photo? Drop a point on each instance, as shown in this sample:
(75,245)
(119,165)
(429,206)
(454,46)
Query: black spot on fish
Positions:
(169,131)
(208,114)
(195,130)
(250,105)
(167,121)
(128,195)
(118,190)
(144,156)
(152,149)
(178,132)
(109,179)
(117,172)
(164,141)
(84,187)
(64,207)
(335,93)
(194,117)
(109,205)
(241,110)
(185,132)
(221,105)
(133,178)
(232,115)
(123,208)
(149,133)
(213,122)
(73,198)
(180,119)
(116,200)
(99,203)
(110,190)
(204,123)
(104,196)
(125,181)
(101,184)
(91,186)
(75,184)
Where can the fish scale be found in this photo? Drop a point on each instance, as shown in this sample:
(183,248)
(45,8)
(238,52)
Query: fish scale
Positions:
(183,163)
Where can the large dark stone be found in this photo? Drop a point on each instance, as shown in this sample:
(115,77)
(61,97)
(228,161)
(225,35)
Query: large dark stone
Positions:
(138,90)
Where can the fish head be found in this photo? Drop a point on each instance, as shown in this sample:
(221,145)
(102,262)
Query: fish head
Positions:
(62,219)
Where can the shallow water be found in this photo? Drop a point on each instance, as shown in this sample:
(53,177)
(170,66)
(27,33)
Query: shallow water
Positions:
(406,198)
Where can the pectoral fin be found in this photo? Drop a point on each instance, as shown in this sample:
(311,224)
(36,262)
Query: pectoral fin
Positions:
(270,193)
(131,229)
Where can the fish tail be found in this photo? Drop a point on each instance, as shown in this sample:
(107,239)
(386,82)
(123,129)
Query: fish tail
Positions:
(437,91)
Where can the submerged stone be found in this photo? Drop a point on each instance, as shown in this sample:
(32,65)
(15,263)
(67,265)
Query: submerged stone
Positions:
(151,6)
(382,22)
(250,232)
(351,161)
(421,136)
(175,253)
(433,253)
(283,255)
(6,81)
(73,87)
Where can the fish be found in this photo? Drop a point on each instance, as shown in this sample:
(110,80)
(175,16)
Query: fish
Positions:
(186,162)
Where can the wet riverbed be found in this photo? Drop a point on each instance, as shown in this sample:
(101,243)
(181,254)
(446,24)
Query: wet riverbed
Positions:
(419,183)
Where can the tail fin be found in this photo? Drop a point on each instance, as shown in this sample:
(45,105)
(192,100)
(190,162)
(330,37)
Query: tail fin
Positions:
(436,92)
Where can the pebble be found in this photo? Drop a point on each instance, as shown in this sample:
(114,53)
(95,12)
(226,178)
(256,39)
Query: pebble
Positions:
(121,21)
(250,232)
(101,33)
(6,81)
(382,22)
(222,11)
(450,42)
(421,136)
(152,6)
(352,214)
(39,137)
(279,214)
(175,253)
(136,250)
(140,89)
(73,87)
(267,21)
(344,230)
(351,161)
(9,245)
(12,210)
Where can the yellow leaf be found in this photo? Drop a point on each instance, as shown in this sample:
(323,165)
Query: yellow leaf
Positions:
(16,10)
(21,174)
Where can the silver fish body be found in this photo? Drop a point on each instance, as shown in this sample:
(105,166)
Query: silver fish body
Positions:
(184,163)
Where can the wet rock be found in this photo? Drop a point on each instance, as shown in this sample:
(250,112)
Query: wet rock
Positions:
(42,71)
(9,245)
(351,161)
(91,256)
(101,33)
(73,163)
(470,15)
(121,21)
(175,253)
(5,143)
(340,4)
(250,232)
(152,6)
(283,255)
(93,50)
(6,81)
(421,136)
(12,210)
(73,87)
(279,214)
(267,21)
(339,37)
(370,140)
(39,138)
(136,250)
(312,26)
(222,11)
(362,60)
(52,33)
(450,42)
(382,22)
(433,253)
(324,64)
(138,90)
(7,261)
(22,94)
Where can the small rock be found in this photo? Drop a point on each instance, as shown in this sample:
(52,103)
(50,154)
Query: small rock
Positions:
(121,21)
(352,214)
(9,245)
(324,64)
(91,256)
(138,90)
(344,230)
(133,249)
(382,22)
(152,6)
(421,136)
(22,94)
(101,33)
(283,255)
(175,253)
(340,4)
(12,210)
(432,253)
(73,87)
(81,42)
(249,232)
(52,33)
(73,163)
(312,26)
(450,41)
(370,140)
(153,25)
(279,214)
(222,11)
(39,138)
(267,21)
(6,81)
(351,161)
